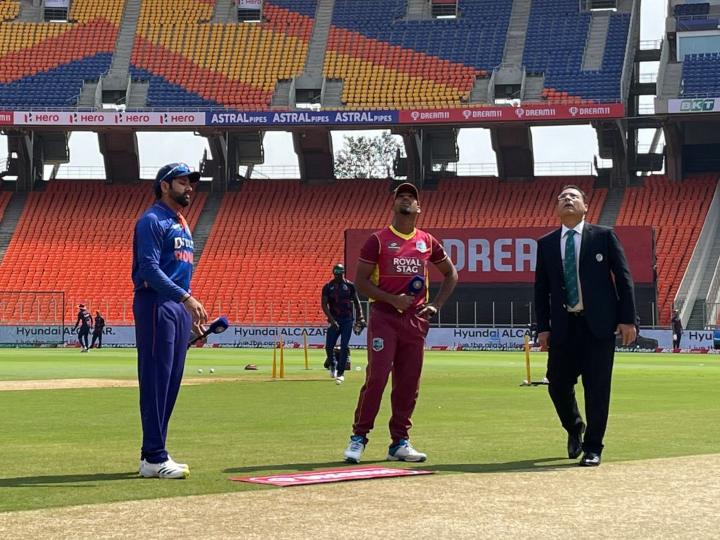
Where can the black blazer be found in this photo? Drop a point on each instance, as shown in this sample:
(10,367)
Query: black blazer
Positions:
(607,287)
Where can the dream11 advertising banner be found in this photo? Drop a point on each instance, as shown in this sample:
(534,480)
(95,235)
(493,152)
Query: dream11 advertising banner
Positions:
(493,256)
(524,113)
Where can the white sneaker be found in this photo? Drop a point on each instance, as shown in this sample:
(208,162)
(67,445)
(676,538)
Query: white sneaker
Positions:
(403,451)
(181,465)
(355,449)
(170,461)
(339,379)
(166,469)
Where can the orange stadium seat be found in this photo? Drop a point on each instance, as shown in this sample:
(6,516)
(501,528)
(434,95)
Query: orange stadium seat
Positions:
(9,10)
(261,235)
(76,237)
(271,230)
(677,211)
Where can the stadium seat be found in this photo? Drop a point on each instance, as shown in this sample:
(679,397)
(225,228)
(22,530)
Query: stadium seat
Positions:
(261,233)
(677,212)
(192,64)
(388,61)
(555,44)
(76,237)
(701,75)
(46,64)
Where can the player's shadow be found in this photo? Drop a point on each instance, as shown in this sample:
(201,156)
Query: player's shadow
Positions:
(89,479)
(527,465)
(539,464)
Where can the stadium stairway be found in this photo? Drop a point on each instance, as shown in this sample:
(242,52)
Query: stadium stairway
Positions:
(418,10)
(517,30)
(12,206)
(205,223)
(312,73)
(701,271)
(224,12)
(30,11)
(117,77)
(611,208)
(595,45)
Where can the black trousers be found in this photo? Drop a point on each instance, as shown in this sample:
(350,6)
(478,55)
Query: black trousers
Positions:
(83,334)
(97,336)
(676,341)
(582,355)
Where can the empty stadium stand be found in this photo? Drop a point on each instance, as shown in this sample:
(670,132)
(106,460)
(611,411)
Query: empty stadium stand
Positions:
(260,238)
(76,237)
(388,61)
(218,65)
(383,58)
(700,75)
(274,242)
(554,46)
(45,64)
(677,211)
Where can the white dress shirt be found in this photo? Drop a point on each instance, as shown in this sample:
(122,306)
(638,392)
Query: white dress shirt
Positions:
(577,238)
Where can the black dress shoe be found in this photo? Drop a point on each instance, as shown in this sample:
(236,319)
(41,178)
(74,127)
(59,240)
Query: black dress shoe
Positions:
(590,459)
(574,445)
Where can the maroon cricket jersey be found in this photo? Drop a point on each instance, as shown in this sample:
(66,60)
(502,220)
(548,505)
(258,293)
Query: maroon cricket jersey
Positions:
(398,258)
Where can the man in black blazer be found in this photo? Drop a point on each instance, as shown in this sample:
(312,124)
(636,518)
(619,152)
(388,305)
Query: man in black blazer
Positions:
(583,298)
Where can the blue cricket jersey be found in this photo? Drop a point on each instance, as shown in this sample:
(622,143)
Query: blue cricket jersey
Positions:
(162,253)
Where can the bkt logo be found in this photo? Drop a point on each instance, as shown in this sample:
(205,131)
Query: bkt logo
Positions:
(697,105)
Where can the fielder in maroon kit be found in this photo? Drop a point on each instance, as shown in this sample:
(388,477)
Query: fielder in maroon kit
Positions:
(393,273)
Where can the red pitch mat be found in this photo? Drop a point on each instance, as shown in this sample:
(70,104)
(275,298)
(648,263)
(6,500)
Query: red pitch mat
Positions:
(326,476)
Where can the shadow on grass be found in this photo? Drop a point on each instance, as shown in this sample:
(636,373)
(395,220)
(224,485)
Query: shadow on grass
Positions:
(527,465)
(539,465)
(26,481)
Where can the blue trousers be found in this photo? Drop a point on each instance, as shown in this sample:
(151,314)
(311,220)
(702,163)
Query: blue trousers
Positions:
(331,339)
(162,331)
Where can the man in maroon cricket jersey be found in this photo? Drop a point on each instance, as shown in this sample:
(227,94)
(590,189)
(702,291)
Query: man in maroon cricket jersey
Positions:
(393,273)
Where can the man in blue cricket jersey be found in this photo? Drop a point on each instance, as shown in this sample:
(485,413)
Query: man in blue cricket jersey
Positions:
(164,311)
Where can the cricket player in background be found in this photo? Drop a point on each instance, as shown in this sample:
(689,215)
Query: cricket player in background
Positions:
(393,273)
(84,322)
(164,311)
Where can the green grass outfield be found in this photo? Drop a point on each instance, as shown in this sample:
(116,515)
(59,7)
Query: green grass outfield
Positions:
(67,447)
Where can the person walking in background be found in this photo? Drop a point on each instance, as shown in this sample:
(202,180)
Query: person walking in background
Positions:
(583,296)
(164,310)
(84,322)
(98,330)
(677,329)
(339,300)
(393,273)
